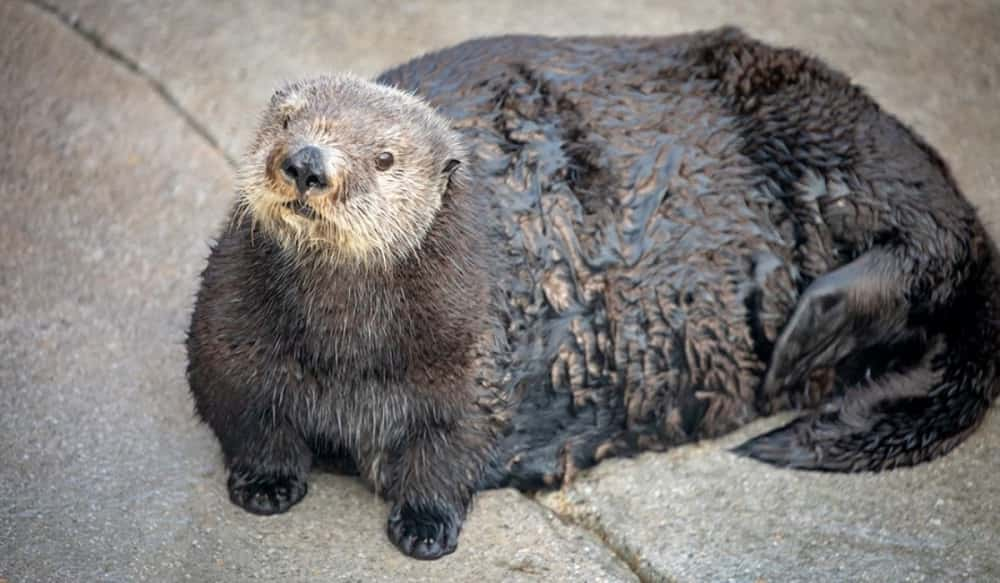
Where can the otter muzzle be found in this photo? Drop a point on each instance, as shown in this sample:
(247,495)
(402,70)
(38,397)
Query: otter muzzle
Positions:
(306,170)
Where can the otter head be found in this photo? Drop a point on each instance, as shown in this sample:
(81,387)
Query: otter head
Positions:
(355,170)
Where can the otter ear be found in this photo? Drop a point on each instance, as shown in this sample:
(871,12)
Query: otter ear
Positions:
(448,172)
(288,100)
(450,166)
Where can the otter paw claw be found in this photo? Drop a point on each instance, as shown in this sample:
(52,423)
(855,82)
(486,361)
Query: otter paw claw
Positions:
(265,493)
(424,533)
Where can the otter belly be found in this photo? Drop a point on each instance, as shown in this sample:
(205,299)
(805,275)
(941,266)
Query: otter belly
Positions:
(650,264)
(645,298)
(664,206)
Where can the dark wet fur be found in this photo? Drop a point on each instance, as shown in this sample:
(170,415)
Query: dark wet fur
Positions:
(694,231)
(294,360)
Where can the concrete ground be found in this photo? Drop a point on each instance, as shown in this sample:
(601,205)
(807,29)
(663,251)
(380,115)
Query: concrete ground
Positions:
(119,123)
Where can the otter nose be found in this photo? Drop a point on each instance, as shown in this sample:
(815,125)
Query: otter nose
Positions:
(305,168)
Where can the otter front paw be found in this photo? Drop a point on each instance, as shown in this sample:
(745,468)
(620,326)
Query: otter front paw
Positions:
(425,532)
(265,493)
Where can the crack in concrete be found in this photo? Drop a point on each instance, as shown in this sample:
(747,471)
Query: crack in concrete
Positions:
(564,510)
(99,44)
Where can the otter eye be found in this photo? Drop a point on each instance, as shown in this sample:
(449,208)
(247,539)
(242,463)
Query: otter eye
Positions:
(384,160)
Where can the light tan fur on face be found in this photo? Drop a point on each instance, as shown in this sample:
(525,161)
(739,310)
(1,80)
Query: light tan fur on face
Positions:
(364,216)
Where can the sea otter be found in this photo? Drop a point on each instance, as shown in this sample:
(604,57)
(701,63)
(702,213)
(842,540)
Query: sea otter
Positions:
(504,261)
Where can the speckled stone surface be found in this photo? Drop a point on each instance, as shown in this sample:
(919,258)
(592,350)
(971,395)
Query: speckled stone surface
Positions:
(706,515)
(111,185)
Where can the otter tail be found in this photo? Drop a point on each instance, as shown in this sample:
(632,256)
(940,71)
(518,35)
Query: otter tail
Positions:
(904,418)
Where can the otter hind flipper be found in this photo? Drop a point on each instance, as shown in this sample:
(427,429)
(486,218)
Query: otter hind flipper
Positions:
(903,417)
(899,420)
(857,306)
(781,447)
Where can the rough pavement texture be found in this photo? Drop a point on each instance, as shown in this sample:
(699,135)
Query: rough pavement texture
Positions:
(118,118)
(698,513)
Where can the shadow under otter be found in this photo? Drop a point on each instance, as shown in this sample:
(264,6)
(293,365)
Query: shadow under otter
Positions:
(681,234)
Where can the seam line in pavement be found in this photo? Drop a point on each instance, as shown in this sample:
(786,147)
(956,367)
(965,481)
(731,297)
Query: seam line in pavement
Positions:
(625,556)
(94,40)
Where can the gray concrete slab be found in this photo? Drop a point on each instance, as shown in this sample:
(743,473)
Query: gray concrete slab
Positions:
(111,185)
(108,201)
(698,513)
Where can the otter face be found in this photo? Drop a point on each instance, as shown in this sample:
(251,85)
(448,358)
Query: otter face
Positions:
(354,169)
